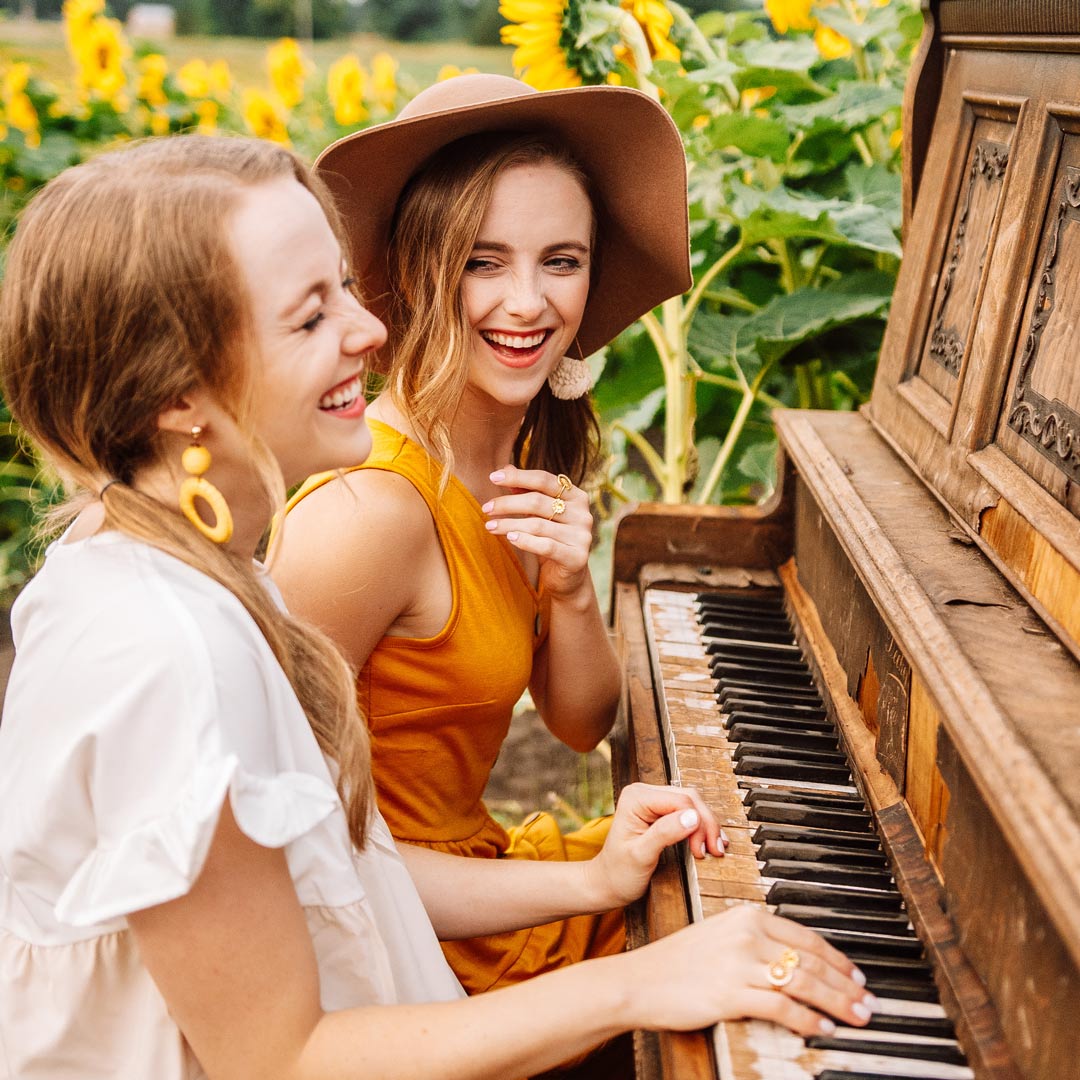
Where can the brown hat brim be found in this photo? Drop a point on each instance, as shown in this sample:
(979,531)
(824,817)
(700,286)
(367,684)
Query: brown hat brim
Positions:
(625,142)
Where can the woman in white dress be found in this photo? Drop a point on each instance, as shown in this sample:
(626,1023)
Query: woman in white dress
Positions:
(193,878)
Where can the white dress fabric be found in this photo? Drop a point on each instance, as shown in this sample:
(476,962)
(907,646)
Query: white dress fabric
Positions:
(142,695)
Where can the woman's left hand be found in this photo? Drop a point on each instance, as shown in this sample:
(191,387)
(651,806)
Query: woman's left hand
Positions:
(647,820)
(549,517)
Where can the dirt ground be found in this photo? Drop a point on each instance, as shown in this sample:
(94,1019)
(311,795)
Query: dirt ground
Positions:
(537,772)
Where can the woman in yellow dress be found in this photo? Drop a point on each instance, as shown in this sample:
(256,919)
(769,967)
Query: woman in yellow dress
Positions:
(503,235)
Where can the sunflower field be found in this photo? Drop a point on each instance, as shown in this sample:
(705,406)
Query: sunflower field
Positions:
(790,114)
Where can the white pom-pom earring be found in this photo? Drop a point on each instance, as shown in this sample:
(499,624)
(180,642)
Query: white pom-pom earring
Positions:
(571,379)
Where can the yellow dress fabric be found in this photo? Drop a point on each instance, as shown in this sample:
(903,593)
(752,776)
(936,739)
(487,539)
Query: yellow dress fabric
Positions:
(439,709)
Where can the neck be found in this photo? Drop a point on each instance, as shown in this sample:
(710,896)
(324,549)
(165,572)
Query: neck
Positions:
(482,436)
(247,504)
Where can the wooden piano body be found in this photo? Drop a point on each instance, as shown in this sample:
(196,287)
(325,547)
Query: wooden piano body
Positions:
(929,551)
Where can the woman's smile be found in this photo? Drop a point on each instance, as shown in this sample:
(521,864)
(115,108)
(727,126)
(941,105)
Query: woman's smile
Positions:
(346,399)
(517,350)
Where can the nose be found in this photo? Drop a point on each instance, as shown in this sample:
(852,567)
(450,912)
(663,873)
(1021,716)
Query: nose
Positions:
(525,299)
(365,332)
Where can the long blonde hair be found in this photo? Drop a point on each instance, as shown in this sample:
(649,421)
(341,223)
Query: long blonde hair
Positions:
(435,227)
(121,295)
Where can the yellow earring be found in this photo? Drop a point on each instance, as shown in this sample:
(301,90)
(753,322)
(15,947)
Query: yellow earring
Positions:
(196,460)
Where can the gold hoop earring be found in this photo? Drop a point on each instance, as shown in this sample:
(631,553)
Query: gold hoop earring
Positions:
(196,460)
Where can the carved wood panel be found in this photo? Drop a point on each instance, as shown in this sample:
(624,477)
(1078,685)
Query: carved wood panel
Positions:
(961,276)
(1039,427)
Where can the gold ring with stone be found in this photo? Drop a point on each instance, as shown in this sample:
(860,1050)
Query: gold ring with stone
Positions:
(557,507)
(565,484)
(781,971)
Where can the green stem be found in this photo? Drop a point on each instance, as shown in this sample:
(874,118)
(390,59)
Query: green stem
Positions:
(634,39)
(656,334)
(698,291)
(788,270)
(702,44)
(679,402)
(731,298)
(732,437)
(733,384)
(864,150)
(652,458)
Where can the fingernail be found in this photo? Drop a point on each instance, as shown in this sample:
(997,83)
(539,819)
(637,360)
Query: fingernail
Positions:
(870,1002)
(491,526)
(826,1027)
(488,507)
(859,977)
(495,477)
(861,1011)
(511,537)
(688,819)
(724,838)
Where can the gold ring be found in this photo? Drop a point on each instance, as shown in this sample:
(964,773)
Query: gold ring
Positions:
(781,971)
(565,483)
(557,507)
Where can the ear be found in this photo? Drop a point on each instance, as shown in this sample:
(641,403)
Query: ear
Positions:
(192,410)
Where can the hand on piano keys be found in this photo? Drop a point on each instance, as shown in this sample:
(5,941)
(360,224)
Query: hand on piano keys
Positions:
(720,969)
(649,818)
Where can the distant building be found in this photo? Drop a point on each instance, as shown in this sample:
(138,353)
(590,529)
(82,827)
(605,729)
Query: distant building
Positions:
(151,21)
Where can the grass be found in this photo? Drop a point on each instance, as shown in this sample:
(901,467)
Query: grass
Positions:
(42,45)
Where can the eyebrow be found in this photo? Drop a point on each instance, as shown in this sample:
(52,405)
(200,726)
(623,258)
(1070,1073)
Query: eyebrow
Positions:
(504,249)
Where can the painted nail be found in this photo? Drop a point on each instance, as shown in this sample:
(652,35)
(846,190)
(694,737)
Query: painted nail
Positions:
(488,507)
(495,477)
(826,1027)
(724,838)
(512,537)
(491,526)
(688,819)
(859,977)
(870,1002)
(861,1011)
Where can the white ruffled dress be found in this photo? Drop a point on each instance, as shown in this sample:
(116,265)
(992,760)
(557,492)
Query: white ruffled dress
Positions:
(143,695)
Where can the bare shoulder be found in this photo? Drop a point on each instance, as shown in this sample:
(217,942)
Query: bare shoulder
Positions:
(352,554)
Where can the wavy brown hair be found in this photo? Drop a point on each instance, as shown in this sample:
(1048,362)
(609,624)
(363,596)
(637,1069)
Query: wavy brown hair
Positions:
(435,226)
(122,295)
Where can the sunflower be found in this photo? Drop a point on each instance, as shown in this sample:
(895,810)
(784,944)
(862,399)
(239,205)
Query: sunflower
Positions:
(790,15)
(346,85)
(656,20)
(287,68)
(263,117)
(539,57)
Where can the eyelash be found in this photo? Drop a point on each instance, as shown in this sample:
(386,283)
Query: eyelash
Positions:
(559,263)
(347,283)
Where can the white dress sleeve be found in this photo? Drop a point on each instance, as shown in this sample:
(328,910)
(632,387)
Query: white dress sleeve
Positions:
(158,704)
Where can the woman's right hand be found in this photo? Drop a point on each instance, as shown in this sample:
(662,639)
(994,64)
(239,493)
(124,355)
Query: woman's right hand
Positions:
(719,970)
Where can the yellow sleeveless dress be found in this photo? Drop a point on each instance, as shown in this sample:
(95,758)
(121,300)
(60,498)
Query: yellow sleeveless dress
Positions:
(439,709)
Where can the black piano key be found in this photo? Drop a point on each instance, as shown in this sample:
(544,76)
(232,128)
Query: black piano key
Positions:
(827,800)
(836,837)
(732,674)
(941,1053)
(860,946)
(815,853)
(816,894)
(934,1027)
(903,989)
(767,603)
(738,697)
(778,769)
(725,613)
(781,736)
(778,721)
(810,817)
(774,712)
(756,654)
(826,918)
(739,631)
(797,754)
(856,876)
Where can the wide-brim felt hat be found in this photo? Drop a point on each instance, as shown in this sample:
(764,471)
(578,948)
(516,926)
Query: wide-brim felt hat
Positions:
(623,139)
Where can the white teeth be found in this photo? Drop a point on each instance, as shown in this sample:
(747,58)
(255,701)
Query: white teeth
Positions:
(515,341)
(343,395)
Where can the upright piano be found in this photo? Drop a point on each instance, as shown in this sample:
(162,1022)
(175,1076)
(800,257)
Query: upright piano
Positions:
(875,679)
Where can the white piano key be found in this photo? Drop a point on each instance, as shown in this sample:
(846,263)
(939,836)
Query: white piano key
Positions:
(862,1034)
